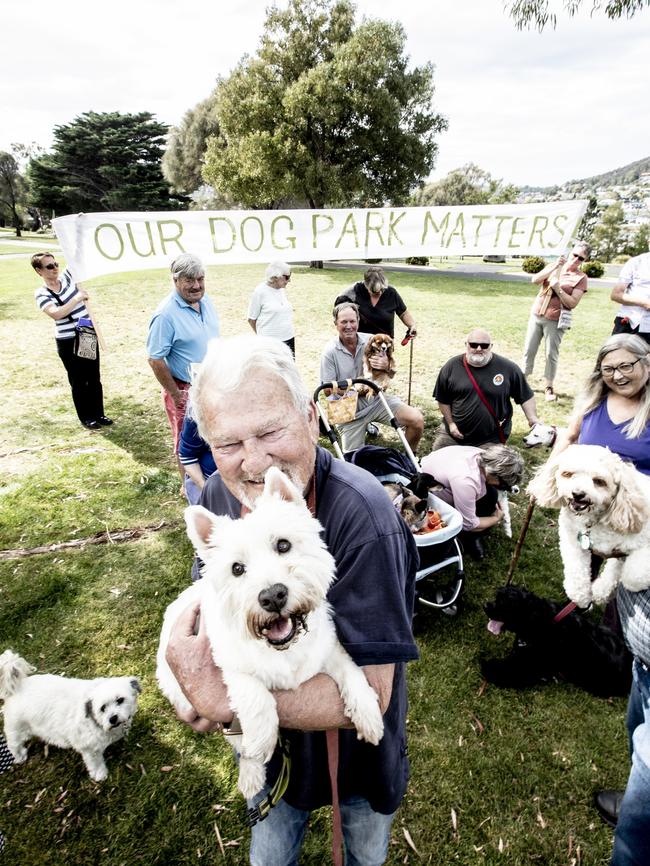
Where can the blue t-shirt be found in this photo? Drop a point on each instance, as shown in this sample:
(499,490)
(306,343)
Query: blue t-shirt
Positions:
(597,428)
(193,449)
(373,597)
(179,334)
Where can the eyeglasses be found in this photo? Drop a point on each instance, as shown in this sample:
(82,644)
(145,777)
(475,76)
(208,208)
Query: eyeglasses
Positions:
(580,258)
(51,266)
(625,368)
(479,345)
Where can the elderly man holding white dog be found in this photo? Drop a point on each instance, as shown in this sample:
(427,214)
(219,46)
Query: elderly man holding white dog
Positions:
(343,359)
(253,409)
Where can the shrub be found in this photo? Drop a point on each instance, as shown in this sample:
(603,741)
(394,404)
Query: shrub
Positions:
(533,264)
(417,260)
(372,261)
(620,260)
(594,269)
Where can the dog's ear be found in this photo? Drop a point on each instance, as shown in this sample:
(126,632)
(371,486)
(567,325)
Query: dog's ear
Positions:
(630,510)
(420,483)
(89,709)
(543,485)
(135,685)
(202,527)
(276,483)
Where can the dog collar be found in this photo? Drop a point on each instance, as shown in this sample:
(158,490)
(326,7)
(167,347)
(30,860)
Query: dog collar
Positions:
(584,540)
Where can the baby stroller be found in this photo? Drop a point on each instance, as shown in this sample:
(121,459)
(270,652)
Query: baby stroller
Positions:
(438,551)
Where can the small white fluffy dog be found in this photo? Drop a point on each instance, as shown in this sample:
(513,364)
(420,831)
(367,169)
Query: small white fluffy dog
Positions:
(263,601)
(84,715)
(605,509)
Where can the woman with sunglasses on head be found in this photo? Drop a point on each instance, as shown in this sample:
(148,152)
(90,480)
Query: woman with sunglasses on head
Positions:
(269,313)
(562,286)
(614,411)
(61,300)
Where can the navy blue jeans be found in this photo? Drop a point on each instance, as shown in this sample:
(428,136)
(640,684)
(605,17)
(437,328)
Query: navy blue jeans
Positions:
(632,838)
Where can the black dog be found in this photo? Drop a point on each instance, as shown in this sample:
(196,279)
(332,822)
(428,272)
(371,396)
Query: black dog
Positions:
(574,649)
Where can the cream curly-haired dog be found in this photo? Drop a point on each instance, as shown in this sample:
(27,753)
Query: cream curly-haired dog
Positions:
(605,510)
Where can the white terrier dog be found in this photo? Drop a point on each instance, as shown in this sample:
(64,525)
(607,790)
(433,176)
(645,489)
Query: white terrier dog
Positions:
(541,434)
(605,509)
(84,715)
(263,601)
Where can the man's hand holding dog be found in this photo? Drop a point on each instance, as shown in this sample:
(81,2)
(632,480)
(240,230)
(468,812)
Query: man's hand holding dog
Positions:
(190,659)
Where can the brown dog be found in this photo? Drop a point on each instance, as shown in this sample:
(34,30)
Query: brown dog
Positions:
(380,344)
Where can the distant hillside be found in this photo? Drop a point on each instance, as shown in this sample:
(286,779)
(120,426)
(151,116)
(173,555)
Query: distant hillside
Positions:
(626,174)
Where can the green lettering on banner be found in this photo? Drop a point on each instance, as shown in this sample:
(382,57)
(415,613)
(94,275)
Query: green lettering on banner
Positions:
(292,238)
(500,221)
(349,227)
(242,233)
(458,229)
(170,240)
(315,231)
(375,228)
(428,220)
(233,234)
(134,247)
(392,223)
(481,219)
(513,232)
(119,238)
(561,216)
(535,231)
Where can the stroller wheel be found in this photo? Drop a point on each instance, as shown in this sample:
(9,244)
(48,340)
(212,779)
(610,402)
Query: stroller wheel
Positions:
(450,610)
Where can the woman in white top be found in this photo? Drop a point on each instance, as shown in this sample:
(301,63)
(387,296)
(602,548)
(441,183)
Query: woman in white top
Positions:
(269,313)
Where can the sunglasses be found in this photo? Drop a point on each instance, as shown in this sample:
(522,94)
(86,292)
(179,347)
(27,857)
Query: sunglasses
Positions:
(287,277)
(580,258)
(51,266)
(479,345)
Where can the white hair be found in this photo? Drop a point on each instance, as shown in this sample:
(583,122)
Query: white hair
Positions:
(277,269)
(230,360)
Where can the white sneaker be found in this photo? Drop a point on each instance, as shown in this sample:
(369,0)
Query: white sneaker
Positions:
(549,394)
(372,430)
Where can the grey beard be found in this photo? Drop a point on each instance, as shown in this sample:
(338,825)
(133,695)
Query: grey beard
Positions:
(480,360)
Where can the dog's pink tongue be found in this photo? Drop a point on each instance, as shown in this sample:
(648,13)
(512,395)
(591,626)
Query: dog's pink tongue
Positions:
(280,629)
(495,626)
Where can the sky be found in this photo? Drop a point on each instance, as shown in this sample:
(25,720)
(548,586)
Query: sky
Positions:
(531,109)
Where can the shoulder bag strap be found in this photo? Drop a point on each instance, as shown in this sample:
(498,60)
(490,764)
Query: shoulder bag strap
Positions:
(484,401)
(59,302)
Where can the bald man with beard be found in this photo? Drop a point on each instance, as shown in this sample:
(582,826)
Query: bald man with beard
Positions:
(467,420)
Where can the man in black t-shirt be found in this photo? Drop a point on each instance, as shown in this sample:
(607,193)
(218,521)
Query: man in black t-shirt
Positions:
(467,418)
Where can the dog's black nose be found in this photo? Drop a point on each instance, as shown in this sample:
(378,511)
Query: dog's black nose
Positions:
(113,720)
(273,598)
(579,494)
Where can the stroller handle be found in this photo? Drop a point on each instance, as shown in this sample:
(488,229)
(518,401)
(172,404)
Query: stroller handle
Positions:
(342,384)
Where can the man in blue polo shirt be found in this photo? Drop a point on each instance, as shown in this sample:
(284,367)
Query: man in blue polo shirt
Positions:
(252,407)
(179,333)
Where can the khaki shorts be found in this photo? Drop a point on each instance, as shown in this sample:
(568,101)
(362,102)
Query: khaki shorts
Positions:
(353,434)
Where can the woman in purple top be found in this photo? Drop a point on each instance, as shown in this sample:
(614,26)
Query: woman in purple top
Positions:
(614,410)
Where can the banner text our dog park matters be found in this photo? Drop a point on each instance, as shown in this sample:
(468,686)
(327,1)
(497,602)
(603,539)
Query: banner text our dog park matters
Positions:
(104,243)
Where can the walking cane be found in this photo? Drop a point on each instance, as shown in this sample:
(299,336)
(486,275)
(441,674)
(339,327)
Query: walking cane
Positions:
(520,541)
(409,339)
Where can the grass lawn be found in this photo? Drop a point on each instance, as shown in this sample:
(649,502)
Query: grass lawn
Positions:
(497,776)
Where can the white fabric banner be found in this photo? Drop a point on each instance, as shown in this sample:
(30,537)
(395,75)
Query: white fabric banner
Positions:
(104,243)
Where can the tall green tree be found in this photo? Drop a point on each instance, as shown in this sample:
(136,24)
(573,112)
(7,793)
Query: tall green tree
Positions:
(466,185)
(639,242)
(607,238)
(182,163)
(326,112)
(536,13)
(13,190)
(103,162)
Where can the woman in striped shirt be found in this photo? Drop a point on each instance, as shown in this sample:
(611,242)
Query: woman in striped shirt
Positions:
(61,300)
